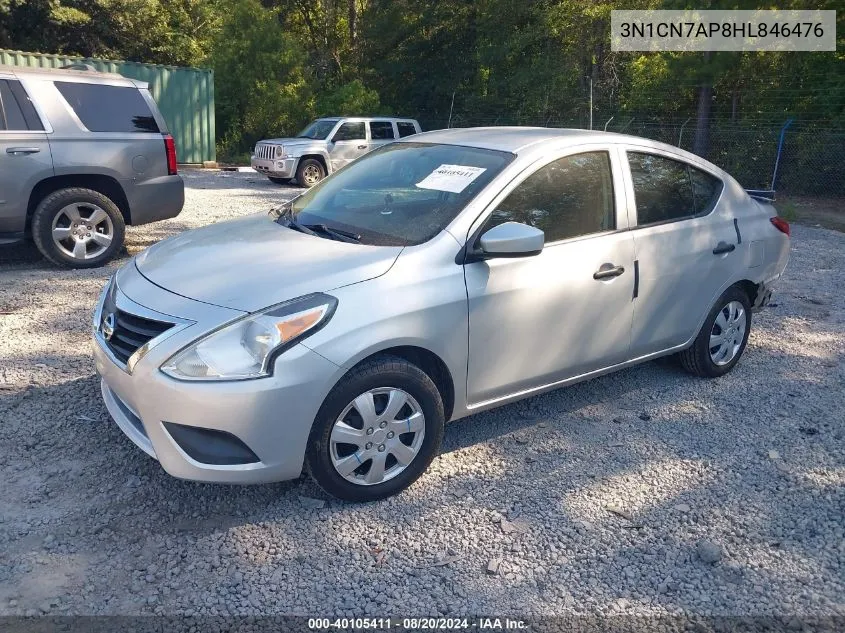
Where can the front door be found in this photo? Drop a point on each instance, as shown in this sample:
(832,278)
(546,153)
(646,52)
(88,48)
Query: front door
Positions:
(24,154)
(538,320)
(348,143)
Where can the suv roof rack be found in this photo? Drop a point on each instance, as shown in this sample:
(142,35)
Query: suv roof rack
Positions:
(763,195)
(78,66)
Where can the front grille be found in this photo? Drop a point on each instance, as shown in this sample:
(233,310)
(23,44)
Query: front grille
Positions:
(267,152)
(132,332)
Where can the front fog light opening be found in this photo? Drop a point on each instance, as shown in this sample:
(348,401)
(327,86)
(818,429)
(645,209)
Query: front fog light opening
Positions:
(210,446)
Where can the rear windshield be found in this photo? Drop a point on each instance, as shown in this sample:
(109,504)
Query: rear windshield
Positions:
(108,108)
(402,193)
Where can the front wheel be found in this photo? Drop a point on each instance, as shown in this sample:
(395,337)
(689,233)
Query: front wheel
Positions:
(377,431)
(723,337)
(310,172)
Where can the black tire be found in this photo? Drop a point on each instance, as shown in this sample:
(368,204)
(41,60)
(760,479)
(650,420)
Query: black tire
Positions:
(278,181)
(52,205)
(313,166)
(384,371)
(697,359)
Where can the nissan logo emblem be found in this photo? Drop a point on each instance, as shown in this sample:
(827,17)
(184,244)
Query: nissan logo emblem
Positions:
(107,326)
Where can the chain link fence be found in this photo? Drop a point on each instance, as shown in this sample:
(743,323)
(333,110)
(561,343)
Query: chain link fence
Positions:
(810,161)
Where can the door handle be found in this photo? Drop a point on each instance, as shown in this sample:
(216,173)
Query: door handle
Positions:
(608,271)
(362,147)
(15,151)
(723,247)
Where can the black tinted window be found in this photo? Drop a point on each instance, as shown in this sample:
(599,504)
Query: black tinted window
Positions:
(405,128)
(350,132)
(380,130)
(108,108)
(662,188)
(11,114)
(705,189)
(570,197)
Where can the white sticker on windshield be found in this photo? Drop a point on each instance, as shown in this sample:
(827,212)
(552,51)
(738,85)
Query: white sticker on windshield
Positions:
(452,178)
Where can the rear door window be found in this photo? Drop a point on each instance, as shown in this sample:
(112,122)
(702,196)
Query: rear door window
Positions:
(706,190)
(405,129)
(381,130)
(662,188)
(103,108)
(16,110)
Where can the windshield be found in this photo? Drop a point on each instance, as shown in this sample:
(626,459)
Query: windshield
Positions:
(319,129)
(401,194)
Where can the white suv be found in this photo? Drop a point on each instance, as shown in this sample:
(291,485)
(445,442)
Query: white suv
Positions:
(325,146)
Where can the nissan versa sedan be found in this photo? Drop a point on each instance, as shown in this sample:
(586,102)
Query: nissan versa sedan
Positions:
(436,277)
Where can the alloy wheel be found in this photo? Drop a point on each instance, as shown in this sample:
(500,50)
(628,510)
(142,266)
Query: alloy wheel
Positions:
(82,230)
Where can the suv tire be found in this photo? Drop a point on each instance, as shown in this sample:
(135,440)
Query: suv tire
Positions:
(723,337)
(309,172)
(378,436)
(78,228)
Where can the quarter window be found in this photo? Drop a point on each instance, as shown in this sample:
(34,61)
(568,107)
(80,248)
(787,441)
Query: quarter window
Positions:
(666,190)
(103,108)
(706,190)
(405,129)
(570,197)
(350,132)
(381,130)
(16,110)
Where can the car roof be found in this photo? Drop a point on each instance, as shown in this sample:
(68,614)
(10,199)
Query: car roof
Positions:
(367,118)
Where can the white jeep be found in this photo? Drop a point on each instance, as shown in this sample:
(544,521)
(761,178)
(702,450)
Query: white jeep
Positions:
(325,146)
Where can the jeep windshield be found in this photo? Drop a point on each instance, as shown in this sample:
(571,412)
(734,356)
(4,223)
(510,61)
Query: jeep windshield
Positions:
(398,195)
(318,130)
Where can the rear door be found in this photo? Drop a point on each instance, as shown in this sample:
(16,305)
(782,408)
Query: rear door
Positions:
(348,143)
(24,153)
(685,247)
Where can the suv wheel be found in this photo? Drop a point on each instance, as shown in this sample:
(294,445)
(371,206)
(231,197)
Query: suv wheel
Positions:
(722,338)
(310,172)
(78,228)
(377,431)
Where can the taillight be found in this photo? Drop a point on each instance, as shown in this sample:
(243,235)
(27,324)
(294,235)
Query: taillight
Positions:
(780,224)
(170,150)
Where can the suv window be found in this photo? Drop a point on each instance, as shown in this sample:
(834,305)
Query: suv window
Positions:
(662,188)
(381,130)
(350,132)
(405,129)
(16,110)
(108,108)
(569,197)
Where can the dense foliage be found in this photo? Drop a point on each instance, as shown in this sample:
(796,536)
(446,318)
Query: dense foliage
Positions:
(468,62)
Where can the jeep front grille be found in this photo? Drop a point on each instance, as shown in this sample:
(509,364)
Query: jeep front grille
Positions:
(267,152)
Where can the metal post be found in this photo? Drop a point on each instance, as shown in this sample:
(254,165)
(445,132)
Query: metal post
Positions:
(681,133)
(449,124)
(591,103)
(608,122)
(780,147)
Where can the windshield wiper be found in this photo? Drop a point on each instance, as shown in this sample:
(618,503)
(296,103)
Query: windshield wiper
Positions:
(338,234)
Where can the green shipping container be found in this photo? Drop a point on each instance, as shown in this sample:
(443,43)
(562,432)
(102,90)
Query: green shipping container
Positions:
(185,96)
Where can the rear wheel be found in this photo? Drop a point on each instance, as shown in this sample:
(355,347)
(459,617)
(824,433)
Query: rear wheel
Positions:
(78,228)
(310,172)
(723,337)
(377,431)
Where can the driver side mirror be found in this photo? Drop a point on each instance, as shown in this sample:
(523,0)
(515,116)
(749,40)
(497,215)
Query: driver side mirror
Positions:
(511,239)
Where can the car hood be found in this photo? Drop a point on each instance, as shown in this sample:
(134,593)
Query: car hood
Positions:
(252,263)
(291,142)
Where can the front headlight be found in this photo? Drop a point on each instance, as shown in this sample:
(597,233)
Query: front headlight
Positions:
(246,348)
(280,151)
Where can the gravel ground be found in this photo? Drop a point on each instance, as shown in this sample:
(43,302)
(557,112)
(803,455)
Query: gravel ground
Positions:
(643,492)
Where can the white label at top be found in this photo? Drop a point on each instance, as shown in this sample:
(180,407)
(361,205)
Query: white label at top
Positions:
(451,178)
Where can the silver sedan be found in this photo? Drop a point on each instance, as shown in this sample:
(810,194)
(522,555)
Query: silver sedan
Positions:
(436,277)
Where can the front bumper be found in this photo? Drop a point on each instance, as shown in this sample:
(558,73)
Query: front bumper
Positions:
(272,416)
(280,168)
